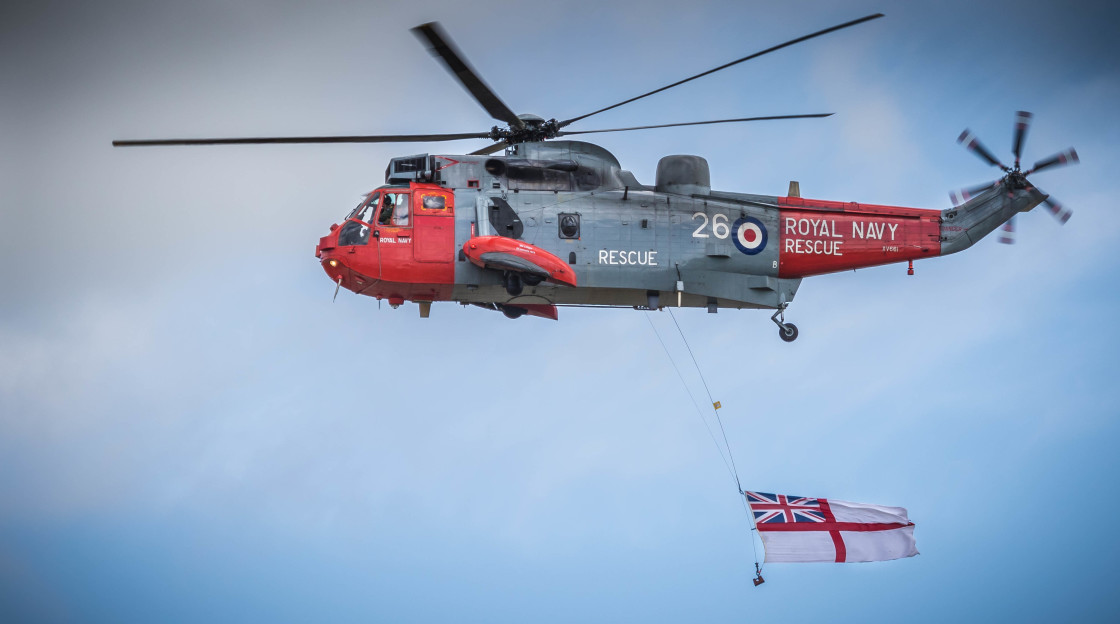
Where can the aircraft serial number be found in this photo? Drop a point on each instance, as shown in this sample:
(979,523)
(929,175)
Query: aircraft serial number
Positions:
(719,226)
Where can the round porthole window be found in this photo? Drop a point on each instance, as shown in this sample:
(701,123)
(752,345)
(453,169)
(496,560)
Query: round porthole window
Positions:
(569,225)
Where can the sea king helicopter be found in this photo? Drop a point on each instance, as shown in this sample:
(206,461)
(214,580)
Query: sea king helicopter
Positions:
(559,222)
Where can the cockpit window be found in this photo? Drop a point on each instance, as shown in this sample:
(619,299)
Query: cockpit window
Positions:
(385,212)
(366,212)
(356,209)
(394,210)
(353,233)
(363,211)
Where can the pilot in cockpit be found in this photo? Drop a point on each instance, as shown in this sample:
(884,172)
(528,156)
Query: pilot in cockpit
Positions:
(386,210)
(394,210)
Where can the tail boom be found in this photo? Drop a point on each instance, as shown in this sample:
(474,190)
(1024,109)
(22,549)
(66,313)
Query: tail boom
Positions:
(964,226)
(818,236)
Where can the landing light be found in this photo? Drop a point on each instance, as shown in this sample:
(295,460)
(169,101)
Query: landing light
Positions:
(333,263)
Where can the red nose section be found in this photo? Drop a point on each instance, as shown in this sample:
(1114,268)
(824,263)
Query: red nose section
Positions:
(507,254)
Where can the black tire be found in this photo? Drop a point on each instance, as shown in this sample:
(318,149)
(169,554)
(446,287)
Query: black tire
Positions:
(514,286)
(512,312)
(531,280)
(788,333)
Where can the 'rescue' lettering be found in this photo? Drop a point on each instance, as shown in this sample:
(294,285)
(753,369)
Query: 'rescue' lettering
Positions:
(636,258)
(820,247)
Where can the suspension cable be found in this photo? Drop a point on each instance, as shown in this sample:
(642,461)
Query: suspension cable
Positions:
(699,412)
(731,467)
(711,400)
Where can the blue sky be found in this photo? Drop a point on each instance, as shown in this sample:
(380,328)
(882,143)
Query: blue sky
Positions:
(190,429)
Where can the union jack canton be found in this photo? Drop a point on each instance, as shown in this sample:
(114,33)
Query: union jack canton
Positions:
(783,508)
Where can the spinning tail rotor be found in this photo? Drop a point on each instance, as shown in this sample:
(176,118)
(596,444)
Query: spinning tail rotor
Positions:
(1014,177)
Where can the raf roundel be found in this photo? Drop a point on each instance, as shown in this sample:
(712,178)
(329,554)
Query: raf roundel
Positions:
(749,235)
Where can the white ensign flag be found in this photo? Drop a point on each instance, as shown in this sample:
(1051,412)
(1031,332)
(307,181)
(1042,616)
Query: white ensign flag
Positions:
(800,529)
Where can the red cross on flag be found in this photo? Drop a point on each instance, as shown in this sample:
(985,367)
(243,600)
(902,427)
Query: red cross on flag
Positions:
(801,529)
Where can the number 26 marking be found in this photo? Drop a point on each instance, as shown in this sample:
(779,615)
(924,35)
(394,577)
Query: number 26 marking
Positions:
(719,226)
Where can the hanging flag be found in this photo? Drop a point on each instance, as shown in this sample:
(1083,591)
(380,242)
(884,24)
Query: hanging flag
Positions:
(796,528)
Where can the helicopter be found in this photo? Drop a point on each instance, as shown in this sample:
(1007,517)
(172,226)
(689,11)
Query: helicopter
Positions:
(550,223)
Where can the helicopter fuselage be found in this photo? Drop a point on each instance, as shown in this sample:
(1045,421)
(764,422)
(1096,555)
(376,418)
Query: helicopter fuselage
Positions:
(626,244)
(559,222)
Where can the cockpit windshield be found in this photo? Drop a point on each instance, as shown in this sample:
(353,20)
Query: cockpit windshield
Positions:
(362,212)
(387,207)
(357,227)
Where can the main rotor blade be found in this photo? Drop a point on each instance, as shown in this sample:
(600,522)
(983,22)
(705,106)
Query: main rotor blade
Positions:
(973,145)
(440,46)
(696,123)
(489,149)
(1067,157)
(1022,123)
(726,65)
(376,138)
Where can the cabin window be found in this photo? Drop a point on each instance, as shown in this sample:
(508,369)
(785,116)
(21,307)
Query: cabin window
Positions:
(568,224)
(434,202)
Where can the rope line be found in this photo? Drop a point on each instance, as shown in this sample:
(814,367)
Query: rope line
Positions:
(754,529)
(711,400)
(699,412)
(731,468)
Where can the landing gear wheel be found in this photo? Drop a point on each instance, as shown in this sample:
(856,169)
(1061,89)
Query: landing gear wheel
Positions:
(531,280)
(512,312)
(788,332)
(513,284)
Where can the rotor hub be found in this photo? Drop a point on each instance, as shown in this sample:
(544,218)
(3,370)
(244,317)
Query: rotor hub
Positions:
(1014,178)
(534,129)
